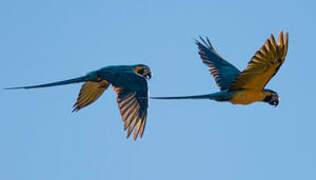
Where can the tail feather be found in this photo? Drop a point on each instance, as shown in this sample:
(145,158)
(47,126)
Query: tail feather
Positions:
(57,83)
(207,96)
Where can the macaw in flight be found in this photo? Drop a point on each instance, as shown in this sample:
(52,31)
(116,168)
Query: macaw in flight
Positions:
(128,81)
(247,86)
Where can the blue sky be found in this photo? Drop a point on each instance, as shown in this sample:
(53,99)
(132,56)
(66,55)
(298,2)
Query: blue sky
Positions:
(44,41)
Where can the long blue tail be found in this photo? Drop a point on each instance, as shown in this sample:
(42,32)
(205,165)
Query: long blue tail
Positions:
(58,83)
(207,96)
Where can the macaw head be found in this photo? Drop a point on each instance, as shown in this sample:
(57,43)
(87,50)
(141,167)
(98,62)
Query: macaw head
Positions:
(142,71)
(271,97)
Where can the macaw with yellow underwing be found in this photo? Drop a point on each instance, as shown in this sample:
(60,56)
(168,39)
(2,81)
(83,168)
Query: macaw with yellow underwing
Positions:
(247,86)
(128,81)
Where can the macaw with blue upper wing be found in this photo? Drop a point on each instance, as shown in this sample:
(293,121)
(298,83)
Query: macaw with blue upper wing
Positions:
(128,81)
(247,86)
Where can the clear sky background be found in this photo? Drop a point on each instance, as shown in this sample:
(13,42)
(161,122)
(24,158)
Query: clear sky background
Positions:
(45,41)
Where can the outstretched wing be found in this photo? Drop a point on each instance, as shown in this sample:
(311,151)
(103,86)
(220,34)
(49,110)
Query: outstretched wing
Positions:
(133,107)
(223,72)
(89,92)
(263,65)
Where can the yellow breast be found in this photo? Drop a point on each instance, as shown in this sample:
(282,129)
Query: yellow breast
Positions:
(247,97)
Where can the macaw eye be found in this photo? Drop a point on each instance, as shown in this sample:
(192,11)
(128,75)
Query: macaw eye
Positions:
(141,71)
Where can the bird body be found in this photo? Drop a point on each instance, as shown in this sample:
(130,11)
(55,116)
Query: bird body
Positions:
(243,87)
(247,97)
(122,76)
(128,81)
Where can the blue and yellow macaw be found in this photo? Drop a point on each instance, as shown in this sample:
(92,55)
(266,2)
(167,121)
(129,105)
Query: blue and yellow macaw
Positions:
(247,86)
(128,81)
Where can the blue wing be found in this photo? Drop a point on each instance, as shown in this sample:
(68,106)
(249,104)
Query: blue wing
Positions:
(133,104)
(223,72)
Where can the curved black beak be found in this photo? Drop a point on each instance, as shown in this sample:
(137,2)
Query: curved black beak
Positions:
(275,102)
(148,75)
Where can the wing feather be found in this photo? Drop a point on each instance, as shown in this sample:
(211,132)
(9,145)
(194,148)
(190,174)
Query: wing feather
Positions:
(133,107)
(89,92)
(140,127)
(263,65)
(223,72)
